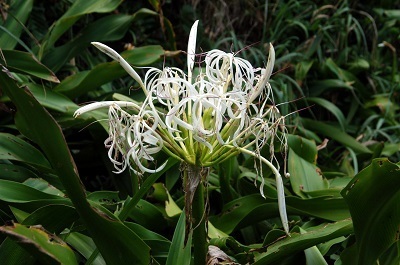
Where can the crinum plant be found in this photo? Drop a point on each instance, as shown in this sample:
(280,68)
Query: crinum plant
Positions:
(202,119)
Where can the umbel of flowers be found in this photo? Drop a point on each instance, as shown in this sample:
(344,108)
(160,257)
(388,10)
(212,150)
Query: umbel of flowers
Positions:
(200,117)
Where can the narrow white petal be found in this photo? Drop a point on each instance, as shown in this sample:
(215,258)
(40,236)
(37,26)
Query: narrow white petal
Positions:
(105,104)
(265,75)
(271,61)
(281,202)
(114,55)
(191,52)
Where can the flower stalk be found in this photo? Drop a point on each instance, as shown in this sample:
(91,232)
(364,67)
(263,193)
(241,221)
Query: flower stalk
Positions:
(194,185)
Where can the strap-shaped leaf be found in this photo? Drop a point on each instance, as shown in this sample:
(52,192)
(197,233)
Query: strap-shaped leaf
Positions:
(297,241)
(36,123)
(16,149)
(26,63)
(373,197)
(335,134)
(179,253)
(47,248)
(12,28)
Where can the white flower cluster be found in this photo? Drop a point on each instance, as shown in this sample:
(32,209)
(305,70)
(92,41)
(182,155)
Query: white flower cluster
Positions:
(201,119)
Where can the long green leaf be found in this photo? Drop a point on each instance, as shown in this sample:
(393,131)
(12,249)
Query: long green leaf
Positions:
(51,100)
(46,247)
(18,14)
(180,253)
(148,215)
(335,134)
(320,86)
(109,28)
(44,186)
(14,148)
(159,245)
(304,176)
(35,122)
(55,218)
(373,197)
(86,81)
(15,173)
(251,209)
(15,192)
(85,246)
(312,254)
(24,62)
(297,242)
(331,108)
(74,13)
(147,184)
(303,147)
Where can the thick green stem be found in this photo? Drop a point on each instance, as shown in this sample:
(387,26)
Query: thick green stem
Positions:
(199,232)
(195,209)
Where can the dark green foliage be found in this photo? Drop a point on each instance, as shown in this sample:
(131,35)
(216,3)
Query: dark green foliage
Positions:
(336,78)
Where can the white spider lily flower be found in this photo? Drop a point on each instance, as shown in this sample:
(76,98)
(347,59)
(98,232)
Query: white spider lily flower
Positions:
(201,119)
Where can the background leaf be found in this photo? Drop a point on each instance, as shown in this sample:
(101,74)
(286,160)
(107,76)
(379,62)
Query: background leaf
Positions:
(34,121)
(373,197)
(179,253)
(304,176)
(75,12)
(24,62)
(86,81)
(335,134)
(13,27)
(297,242)
(46,247)
(14,148)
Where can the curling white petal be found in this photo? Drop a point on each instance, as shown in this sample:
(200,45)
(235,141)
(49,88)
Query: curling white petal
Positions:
(114,55)
(265,75)
(105,104)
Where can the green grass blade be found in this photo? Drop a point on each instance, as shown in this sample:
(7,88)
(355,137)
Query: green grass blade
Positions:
(19,13)
(332,109)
